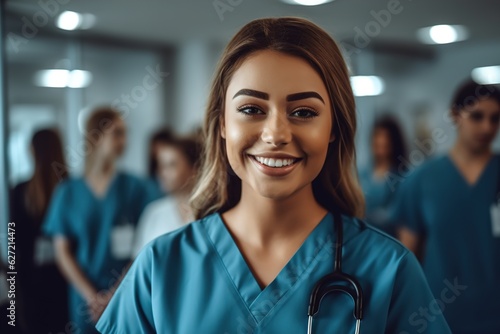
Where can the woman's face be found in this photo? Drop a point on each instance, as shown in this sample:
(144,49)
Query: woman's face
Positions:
(381,144)
(277,124)
(478,124)
(174,169)
(114,140)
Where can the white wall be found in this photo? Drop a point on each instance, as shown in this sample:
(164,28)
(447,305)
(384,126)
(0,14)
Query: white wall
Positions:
(194,68)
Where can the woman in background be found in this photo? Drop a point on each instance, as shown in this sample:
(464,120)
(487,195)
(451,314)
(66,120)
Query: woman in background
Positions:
(42,289)
(177,166)
(92,220)
(158,140)
(380,182)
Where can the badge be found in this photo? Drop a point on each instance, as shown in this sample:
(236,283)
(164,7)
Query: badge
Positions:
(495,220)
(122,237)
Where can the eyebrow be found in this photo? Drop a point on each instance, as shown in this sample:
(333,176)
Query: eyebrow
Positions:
(304,95)
(254,93)
(289,98)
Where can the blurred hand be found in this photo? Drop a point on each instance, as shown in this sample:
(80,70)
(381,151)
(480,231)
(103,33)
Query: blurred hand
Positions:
(98,303)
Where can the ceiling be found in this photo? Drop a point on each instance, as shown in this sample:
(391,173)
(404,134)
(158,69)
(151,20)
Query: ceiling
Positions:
(175,21)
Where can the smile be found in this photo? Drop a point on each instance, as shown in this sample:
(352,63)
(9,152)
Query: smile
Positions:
(275,166)
(275,163)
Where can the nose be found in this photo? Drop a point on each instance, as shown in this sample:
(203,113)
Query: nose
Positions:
(276,130)
(489,125)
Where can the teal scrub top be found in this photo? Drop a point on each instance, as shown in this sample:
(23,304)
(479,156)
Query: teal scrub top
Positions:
(454,218)
(195,280)
(380,194)
(87,221)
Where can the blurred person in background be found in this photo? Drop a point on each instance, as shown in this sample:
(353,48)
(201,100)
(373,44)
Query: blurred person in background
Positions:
(177,167)
(380,181)
(42,294)
(157,141)
(450,215)
(92,219)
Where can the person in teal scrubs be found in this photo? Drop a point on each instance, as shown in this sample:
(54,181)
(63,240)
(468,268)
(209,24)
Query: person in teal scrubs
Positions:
(278,165)
(446,210)
(380,181)
(92,219)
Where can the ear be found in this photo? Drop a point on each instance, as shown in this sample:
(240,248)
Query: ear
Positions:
(332,137)
(222,126)
(454,115)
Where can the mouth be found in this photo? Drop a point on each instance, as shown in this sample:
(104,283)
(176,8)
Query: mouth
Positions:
(484,139)
(275,162)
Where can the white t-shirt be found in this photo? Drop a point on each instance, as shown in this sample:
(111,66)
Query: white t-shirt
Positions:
(159,217)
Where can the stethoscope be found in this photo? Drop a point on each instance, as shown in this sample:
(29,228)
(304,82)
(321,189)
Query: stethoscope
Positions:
(329,283)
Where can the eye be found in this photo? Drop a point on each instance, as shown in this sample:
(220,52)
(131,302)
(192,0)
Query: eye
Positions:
(495,119)
(476,116)
(250,110)
(304,113)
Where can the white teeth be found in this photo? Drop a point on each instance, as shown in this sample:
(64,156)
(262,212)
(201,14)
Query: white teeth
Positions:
(275,162)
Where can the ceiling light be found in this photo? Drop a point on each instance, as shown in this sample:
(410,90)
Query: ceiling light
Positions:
(72,20)
(367,85)
(69,20)
(306,2)
(442,34)
(79,79)
(488,75)
(57,78)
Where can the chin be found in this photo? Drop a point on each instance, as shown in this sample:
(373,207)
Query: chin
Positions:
(277,192)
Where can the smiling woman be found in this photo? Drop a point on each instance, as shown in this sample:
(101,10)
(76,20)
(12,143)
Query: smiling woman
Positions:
(276,202)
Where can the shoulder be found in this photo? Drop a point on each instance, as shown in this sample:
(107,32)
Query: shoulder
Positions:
(365,172)
(418,174)
(129,178)
(159,209)
(162,204)
(369,240)
(20,186)
(133,185)
(432,165)
(19,189)
(71,184)
(496,156)
(188,239)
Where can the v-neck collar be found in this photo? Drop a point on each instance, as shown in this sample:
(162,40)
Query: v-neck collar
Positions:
(105,195)
(472,186)
(261,301)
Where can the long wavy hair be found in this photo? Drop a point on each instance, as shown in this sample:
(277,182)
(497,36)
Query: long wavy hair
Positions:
(396,138)
(336,188)
(48,154)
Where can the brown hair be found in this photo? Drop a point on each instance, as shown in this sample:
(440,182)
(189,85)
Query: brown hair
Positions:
(336,187)
(99,122)
(47,153)
(190,147)
(162,136)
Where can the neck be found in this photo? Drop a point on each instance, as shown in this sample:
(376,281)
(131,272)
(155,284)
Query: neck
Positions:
(265,220)
(382,164)
(462,152)
(101,168)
